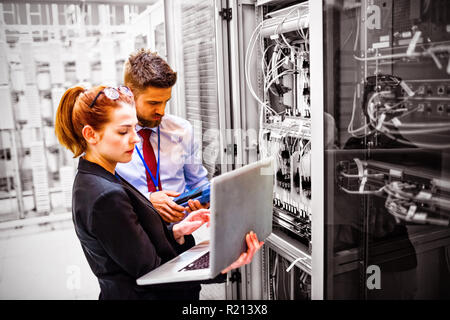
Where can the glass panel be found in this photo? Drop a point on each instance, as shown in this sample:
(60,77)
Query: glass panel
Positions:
(387,126)
(160,39)
(200,76)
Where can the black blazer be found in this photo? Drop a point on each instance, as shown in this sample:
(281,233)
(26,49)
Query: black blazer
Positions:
(123,237)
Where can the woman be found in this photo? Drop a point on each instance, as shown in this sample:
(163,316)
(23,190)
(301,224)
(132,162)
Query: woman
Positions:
(122,235)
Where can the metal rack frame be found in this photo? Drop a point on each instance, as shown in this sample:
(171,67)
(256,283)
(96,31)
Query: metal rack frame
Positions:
(317,149)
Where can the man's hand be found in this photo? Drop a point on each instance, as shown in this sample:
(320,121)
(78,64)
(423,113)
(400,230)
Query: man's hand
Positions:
(166,207)
(193,221)
(194,205)
(253,245)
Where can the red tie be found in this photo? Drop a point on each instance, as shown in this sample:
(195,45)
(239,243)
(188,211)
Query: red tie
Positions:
(149,157)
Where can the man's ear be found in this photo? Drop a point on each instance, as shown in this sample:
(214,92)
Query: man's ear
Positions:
(89,134)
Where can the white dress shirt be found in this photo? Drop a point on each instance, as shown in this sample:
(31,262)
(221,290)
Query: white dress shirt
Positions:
(181,167)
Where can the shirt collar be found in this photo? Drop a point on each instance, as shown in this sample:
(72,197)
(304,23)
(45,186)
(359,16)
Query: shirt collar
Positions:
(138,127)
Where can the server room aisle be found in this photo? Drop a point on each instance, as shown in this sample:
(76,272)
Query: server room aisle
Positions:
(37,262)
(46,262)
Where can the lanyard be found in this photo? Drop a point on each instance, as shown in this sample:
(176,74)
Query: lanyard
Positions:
(155,181)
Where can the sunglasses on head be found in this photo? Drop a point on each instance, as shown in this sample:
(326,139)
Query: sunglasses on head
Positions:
(112,93)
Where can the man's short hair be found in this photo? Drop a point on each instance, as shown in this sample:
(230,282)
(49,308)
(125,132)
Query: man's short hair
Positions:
(145,68)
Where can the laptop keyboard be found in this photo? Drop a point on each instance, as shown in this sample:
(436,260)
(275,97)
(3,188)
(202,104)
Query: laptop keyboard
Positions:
(200,263)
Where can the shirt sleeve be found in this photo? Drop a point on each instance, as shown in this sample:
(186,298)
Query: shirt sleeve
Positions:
(194,172)
(116,226)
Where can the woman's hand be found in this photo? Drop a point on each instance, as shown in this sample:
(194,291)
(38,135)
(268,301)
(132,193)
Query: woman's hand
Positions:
(192,222)
(253,245)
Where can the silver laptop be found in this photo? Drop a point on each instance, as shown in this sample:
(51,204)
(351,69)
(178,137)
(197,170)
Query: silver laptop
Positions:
(241,201)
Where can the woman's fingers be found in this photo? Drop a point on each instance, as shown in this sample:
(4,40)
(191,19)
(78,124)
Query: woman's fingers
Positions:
(253,245)
(250,248)
(199,214)
(255,240)
(257,244)
(208,220)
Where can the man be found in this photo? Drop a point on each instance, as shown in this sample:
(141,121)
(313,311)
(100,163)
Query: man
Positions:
(164,164)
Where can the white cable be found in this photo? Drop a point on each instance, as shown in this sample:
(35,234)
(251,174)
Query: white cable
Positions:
(395,189)
(355,45)
(270,70)
(423,131)
(282,35)
(294,262)
(420,124)
(274,67)
(419,144)
(405,55)
(439,127)
(281,75)
(251,45)
(350,125)
(370,192)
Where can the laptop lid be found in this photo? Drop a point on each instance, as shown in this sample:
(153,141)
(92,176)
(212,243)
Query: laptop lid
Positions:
(241,201)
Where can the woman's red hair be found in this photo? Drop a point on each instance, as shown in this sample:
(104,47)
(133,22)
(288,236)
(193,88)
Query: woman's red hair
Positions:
(74,113)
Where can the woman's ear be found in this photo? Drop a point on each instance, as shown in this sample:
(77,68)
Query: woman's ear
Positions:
(89,134)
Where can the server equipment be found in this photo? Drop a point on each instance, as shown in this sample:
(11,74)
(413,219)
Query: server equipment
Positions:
(386,176)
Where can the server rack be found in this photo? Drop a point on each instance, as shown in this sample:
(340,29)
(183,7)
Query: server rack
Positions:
(235,114)
(386,171)
(379,118)
(276,73)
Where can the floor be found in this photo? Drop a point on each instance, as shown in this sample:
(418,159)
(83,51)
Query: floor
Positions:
(46,262)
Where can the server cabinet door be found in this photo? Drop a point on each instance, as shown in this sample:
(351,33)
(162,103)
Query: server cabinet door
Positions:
(202,94)
(387,149)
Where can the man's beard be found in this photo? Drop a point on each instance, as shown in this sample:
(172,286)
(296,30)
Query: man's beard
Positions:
(148,123)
